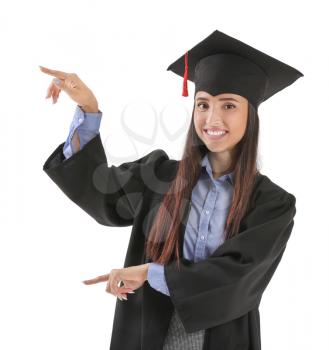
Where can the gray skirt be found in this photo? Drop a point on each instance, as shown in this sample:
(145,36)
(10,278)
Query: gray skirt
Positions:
(177,339)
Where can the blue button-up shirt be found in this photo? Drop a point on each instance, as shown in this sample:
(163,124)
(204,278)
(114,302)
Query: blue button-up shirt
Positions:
(210,203)
(88,127)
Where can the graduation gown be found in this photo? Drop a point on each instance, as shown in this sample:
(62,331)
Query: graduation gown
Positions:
(220,294)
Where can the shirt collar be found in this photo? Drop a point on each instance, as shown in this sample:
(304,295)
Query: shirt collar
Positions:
(207,165)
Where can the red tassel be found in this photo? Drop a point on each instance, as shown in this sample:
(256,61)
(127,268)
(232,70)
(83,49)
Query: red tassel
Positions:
(185,92)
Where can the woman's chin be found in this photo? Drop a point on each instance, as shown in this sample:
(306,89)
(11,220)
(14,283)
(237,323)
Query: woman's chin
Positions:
(215,146)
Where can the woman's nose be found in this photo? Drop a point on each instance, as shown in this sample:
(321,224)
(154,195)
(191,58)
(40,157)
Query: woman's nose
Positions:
(214,118)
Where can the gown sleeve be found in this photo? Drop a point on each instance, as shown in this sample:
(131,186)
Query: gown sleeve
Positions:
(109,194)
(230,282)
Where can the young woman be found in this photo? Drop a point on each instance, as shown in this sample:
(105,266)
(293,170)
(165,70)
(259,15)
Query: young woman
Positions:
(209,230)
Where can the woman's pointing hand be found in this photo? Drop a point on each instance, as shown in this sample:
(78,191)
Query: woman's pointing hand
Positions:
(132,277)
(72,85)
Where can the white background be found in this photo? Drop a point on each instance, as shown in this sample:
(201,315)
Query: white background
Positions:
(121,50)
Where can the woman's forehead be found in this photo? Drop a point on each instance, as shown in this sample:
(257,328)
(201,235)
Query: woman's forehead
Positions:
(206,95)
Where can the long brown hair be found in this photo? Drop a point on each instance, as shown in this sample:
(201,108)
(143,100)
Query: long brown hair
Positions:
(163,238)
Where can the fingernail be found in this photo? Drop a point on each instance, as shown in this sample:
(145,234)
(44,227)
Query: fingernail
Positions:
(132,292)
(124,298)
(120,298)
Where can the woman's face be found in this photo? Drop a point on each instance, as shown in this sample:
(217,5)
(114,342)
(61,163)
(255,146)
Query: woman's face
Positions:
(228,112)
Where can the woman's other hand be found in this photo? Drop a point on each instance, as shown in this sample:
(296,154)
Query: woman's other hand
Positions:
(133,277)
(73,86)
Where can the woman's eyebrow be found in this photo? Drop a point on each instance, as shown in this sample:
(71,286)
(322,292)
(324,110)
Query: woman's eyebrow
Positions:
(220,99)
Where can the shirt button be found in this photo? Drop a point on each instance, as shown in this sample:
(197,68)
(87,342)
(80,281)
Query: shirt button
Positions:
(80,120)
(207,212)
(202,237)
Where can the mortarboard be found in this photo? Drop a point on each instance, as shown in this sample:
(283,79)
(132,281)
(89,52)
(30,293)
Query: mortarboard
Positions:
(223,64)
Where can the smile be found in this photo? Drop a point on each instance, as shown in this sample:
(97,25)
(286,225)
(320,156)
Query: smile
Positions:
(215,135)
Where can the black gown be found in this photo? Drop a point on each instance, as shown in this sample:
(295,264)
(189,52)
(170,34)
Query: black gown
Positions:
(220,294)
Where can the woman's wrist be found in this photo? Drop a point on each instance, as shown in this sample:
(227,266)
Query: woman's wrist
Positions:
(90,109)
(146,270)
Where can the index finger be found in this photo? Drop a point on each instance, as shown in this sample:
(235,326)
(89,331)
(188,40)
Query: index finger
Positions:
(55,73)
(102,278)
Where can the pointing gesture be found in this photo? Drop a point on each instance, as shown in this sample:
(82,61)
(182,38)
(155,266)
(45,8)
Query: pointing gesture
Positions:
(72,85)
(132,277)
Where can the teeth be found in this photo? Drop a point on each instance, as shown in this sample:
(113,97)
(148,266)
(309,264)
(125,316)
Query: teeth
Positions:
(216,132)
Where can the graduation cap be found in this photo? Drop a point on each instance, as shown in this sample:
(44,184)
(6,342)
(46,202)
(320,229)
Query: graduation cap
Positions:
(223,64)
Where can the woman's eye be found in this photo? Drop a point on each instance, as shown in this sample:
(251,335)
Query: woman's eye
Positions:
(204,104)
(200,104)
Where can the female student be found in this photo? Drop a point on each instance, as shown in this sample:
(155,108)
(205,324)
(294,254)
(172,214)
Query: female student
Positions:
(209,230)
